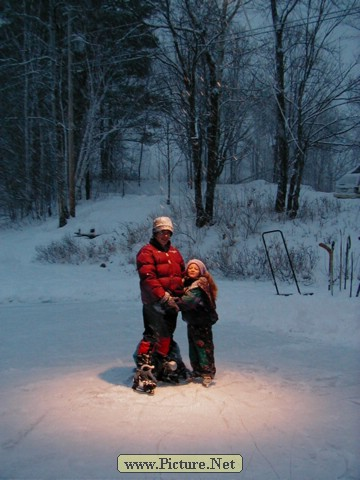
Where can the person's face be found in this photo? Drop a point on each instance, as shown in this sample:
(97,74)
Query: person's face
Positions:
(163,237)
(193,270)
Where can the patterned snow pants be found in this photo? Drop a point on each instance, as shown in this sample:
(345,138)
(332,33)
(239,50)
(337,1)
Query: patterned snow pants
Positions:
(201,350)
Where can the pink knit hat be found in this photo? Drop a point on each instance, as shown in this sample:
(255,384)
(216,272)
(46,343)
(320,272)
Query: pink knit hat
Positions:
(199,264)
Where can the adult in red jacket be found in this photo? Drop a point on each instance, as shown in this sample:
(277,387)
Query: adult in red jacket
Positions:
(161,270)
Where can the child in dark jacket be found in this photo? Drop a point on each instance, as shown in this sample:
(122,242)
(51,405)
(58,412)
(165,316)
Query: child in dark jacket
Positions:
(198,310)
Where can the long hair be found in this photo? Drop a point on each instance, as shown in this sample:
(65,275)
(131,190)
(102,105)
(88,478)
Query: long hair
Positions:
(212,285)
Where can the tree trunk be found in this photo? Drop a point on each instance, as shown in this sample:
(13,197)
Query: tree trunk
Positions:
(55,36)
(295,185)
(27,194)
(71,159)
(195,141)
(88,185)
(140,161)
(168,165)
(281,150)
(213,141)
(196,155)
(282,162)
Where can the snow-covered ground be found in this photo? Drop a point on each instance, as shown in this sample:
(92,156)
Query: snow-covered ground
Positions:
(286,395)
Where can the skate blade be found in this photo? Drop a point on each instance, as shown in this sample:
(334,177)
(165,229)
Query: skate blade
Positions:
(170,380)
(141,390)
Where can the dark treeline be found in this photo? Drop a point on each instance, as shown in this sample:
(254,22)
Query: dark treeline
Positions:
(86,85)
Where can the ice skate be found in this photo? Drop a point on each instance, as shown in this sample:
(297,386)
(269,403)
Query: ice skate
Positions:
(182,372)
(144,379)
(192,376)
(169,372)
(166,369)
(206,380)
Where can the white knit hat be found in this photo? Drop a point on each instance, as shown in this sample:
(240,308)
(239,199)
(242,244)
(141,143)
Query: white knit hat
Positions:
(199,264)
(162,223)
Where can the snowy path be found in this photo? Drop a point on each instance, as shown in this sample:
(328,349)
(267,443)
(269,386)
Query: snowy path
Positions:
(287,404)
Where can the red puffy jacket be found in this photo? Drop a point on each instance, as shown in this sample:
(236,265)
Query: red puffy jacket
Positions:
(160,270)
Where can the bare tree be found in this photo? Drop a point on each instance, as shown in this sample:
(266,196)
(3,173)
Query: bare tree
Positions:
(199,65)
(320,89)
(311,88)
(281,150)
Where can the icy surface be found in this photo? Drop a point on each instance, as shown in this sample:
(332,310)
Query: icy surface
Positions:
(286,396)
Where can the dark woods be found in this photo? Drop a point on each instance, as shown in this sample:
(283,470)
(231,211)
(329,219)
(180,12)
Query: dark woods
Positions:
(223,92)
